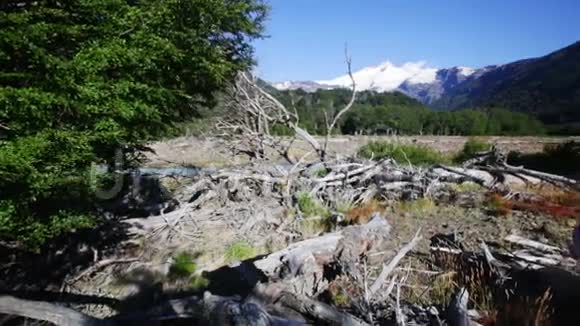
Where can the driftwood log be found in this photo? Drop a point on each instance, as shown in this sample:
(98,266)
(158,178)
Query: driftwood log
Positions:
(302,264)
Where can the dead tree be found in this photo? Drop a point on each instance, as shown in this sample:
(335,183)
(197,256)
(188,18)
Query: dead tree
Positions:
(247,126)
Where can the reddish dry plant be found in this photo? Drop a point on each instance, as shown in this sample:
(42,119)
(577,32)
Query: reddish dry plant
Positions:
(563,204)
(361,214)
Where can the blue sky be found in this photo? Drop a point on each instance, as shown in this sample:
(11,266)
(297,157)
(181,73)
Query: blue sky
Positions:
(307,37)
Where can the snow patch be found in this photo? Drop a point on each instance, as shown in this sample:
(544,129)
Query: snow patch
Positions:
(386,76)
(466,71)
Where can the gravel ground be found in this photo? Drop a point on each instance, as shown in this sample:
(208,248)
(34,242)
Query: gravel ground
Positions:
(207,152)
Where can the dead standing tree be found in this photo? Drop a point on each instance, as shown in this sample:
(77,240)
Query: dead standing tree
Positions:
(247,126)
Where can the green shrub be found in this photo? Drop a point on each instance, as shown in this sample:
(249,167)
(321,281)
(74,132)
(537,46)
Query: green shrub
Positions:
(239,251)
(311,207)
(472,147)
(402,153)
(183,266)
(321,173)
(562,159)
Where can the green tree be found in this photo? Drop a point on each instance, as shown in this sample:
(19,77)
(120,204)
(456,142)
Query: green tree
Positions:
(80,78)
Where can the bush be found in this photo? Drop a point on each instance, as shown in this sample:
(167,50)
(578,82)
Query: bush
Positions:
(471,148)
(562,159)
(402,153)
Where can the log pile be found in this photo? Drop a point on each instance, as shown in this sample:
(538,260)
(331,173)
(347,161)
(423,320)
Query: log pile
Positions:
(288,286)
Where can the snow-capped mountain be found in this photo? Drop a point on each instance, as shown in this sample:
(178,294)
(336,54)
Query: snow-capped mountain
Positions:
(386,76)
(415,79)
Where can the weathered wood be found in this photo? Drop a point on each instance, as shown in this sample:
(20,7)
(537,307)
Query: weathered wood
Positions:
(102,264)
(316,311)
(209,309)
(457,310)
(388,268)
(305,260)
(521,241)
(49,312)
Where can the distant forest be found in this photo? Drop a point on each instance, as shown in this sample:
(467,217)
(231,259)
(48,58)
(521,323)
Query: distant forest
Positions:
(396,113)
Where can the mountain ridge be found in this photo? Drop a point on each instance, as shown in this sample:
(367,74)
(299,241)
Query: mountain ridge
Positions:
(546,86)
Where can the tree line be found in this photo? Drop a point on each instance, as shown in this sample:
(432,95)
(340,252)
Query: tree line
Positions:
(396,113)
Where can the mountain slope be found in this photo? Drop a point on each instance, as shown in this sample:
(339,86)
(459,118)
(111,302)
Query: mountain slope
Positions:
(445,80)
(548,87)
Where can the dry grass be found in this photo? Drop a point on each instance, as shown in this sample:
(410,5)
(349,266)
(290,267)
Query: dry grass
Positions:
(419,207)
(466,187)
(526,312)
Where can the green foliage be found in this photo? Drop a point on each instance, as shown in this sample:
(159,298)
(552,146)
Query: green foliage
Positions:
(183,265)
(321,173)
(472,147)
(80,79)
(317,214)
(562,159)
(311,207)
(340,299)
(402,153)
(393,112)
(545,86)
(239,251)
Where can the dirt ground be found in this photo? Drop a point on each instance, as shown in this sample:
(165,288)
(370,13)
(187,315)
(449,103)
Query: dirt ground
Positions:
(207,152)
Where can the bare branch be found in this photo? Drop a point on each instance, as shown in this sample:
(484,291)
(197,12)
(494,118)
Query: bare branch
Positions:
(330,128)
(353,96)
(388,269)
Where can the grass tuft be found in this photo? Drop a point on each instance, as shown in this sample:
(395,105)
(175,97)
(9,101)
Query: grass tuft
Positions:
(419,207)
(311,207)
(471,148)
(466,187)
(239,251)
(183,266)
(403,153)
